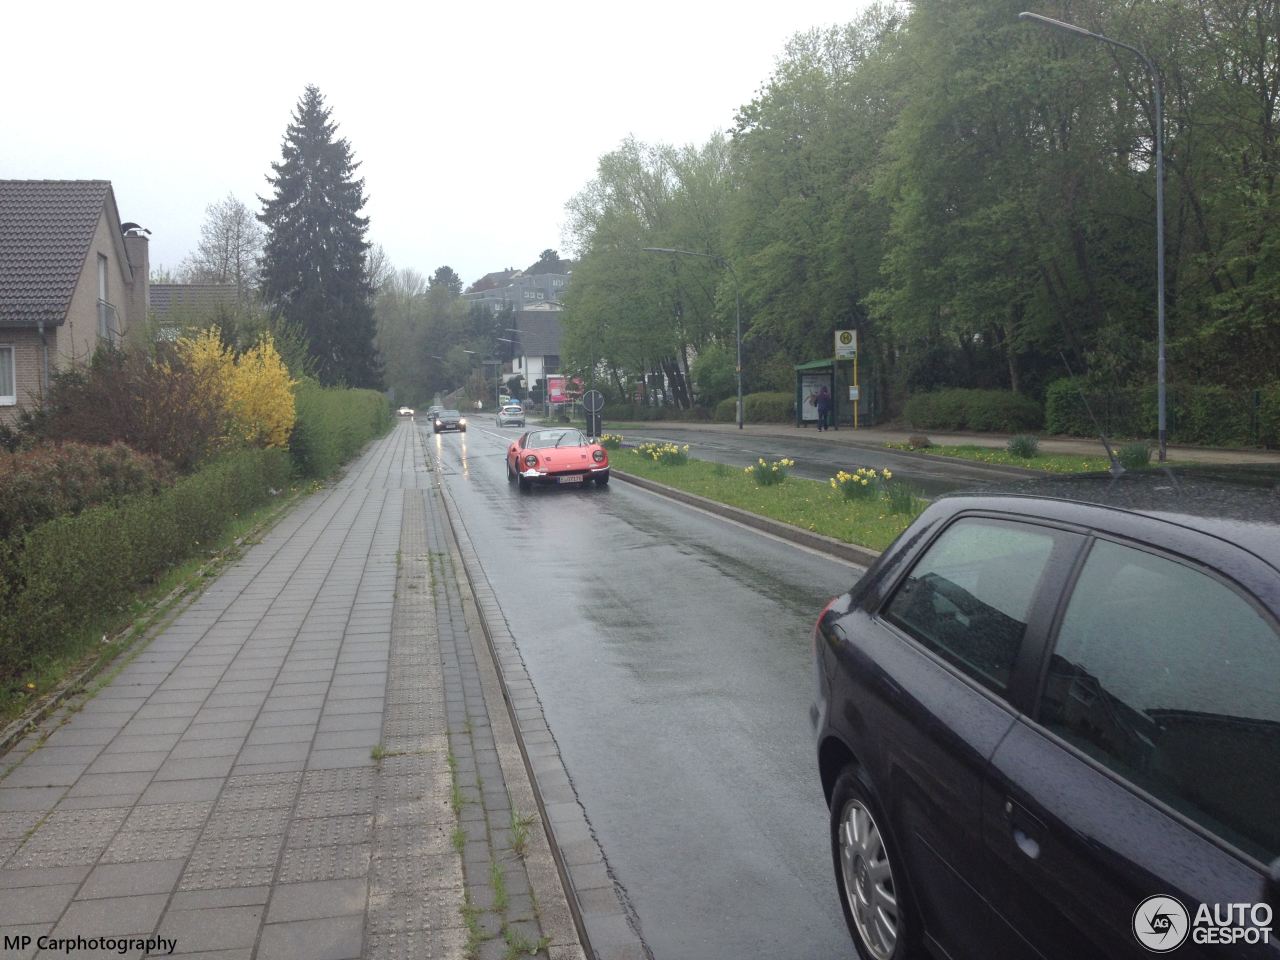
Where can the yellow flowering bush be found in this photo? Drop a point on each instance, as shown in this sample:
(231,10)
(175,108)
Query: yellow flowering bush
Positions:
(665,453)
(253,389)
(768,474)
(863,484)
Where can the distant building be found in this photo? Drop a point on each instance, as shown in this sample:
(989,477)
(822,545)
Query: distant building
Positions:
(544,282)
(72,277)
(536,352)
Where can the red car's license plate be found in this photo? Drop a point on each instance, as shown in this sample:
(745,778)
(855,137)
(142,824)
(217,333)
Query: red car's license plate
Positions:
(573,479)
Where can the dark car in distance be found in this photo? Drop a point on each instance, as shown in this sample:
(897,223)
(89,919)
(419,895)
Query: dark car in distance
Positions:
(449,420)
(1045,704)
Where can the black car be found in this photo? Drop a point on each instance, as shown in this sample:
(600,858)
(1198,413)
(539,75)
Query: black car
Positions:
(1044,706)
(449,420)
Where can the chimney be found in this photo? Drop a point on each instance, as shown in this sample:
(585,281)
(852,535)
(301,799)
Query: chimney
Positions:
(135,245)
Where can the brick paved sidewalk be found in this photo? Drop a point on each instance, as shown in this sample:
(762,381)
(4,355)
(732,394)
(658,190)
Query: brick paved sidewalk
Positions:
(300,766)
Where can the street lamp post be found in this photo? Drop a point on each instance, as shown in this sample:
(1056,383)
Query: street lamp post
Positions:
(1157,88)
(737,303)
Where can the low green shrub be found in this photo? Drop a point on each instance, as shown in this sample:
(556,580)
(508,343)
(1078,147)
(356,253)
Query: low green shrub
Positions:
(1134,456)
(1065,411)
(1023,445)
(1205,414)
(726,411)
(1269,415)
(629,413)
(961,409)
(1210,415)
(57,577)
(770,474)
(768,407)
(667,453)
(50,480)
(902,498)
(333,425)
(863,484)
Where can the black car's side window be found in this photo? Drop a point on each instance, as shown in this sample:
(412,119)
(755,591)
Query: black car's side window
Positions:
(969,596)
(1172,679)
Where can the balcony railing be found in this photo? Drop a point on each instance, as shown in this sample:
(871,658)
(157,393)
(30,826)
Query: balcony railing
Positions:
(108,323)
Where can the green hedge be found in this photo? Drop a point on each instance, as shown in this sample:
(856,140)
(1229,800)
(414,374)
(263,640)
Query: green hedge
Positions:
(630,412)
(758,408)
(959,409)
(52,479)
(1269,416)
(62,575)
(769,407)
(333,425)
(1207,415)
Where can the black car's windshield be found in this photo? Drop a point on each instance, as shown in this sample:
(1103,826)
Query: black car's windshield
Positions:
(448,414)
(555,438)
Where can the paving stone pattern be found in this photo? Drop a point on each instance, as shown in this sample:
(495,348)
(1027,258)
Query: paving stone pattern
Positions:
(221,788)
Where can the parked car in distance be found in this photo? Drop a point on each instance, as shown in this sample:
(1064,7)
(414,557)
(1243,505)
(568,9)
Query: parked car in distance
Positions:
(1043,705)
(557,456)
(405,412)
(449,420)
(511,415)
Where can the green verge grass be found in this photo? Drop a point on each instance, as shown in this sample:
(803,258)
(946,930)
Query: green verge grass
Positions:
(1048,462)
(103,647)
(808,504)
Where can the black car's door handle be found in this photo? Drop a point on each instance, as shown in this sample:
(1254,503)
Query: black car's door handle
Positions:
(1026,829)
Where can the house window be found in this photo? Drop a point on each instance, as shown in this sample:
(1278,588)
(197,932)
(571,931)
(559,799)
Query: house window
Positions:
(105,311)
(8,378)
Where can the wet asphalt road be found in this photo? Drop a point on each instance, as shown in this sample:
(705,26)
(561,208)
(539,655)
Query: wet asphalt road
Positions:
(671,652)
(817,459)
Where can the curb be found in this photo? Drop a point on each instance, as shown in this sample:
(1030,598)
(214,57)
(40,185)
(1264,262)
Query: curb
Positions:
(862,556)
(557,911)
(583,873)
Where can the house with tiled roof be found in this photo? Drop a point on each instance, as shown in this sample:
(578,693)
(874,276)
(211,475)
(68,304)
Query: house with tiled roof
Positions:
(72,277)
(173,304)
(536,351)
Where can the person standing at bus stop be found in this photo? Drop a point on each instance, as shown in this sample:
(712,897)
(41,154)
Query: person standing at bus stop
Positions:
(824,407)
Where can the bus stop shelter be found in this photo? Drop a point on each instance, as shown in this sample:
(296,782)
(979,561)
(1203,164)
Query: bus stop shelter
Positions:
(837,377)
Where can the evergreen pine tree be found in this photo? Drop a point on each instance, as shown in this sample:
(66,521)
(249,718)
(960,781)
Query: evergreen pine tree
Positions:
(314,260)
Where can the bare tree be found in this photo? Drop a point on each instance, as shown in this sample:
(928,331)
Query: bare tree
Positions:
(378,266)
(229,249)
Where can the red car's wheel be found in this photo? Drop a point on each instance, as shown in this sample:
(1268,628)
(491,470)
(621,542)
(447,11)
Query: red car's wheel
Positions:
(511,474)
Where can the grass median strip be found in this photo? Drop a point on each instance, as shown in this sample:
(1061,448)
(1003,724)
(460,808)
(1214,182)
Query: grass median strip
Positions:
(807,504)
(1049,462)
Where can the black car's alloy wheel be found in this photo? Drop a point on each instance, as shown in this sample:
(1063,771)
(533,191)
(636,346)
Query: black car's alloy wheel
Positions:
(871,880)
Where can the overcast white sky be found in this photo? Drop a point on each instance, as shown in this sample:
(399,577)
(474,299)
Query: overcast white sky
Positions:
(474,122)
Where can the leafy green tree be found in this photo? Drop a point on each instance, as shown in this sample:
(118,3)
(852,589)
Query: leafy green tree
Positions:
(446,278)
(314,270)
(631,313)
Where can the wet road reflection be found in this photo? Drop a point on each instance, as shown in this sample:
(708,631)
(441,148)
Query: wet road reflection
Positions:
(671,652)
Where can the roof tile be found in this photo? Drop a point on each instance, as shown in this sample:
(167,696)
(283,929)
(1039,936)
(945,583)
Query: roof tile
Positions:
(46,227)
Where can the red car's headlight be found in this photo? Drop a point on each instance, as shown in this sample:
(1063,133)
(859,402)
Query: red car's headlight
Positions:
(597,456)
(530,460)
